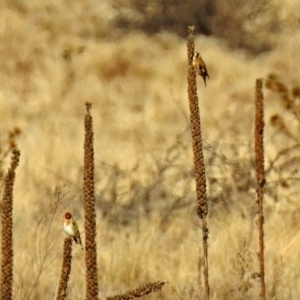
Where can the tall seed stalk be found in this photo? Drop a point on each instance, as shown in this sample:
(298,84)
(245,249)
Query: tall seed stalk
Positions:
(260,176)
(89,208)
(65,270)
(7,230)
(198,154)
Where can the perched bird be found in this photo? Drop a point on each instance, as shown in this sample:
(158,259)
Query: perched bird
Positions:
(200,66)
(71,228)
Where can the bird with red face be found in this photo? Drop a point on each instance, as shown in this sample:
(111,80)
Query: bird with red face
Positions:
(71,228)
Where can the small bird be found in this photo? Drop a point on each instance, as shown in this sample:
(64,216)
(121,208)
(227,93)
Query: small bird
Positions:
(200,66)
(71,228)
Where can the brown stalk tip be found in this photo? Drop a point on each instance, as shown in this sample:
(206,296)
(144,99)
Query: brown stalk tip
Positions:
(191,29)
(88,106)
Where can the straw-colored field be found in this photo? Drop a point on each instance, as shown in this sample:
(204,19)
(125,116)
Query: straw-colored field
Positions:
(55,57)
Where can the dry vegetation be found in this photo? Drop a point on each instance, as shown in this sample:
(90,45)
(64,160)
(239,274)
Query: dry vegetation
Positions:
(55,57)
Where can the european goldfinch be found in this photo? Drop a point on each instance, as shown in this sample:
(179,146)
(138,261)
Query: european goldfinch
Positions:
(71,229)
(200,66)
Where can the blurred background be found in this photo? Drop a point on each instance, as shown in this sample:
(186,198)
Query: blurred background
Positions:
(129,59)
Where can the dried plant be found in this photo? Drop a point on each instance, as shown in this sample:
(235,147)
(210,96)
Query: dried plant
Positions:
(283,167)
(198,153)
(243,273)
(7,145)
(139,292)
(7,230)
(290,101)
(288,98)
(89,208)
(278,271)
(44,240)
(66,270)
(169,172)
(260,176)
(192,291)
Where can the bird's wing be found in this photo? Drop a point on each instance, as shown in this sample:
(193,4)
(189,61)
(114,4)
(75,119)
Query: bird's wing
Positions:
(75,226)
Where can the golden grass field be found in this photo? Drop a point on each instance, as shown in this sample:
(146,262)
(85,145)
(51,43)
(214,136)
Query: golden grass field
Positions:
(54,58)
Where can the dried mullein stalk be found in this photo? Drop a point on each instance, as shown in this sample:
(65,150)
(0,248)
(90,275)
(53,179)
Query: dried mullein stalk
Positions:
(198,153)
(89,209)
(139,292)
(7,230)
(66,270)
(260,175)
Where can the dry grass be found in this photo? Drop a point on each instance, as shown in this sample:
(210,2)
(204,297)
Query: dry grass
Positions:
(56,57)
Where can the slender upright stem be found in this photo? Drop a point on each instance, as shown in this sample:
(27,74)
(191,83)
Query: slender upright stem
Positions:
(260,176)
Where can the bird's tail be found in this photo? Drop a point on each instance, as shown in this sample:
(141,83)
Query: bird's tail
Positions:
(78,241)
